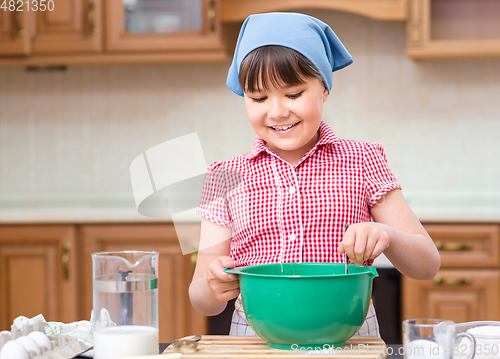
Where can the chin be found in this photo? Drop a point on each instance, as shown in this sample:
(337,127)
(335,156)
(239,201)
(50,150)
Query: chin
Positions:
(289,149)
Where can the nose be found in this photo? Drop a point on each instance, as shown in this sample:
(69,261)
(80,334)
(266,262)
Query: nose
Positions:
(277,109)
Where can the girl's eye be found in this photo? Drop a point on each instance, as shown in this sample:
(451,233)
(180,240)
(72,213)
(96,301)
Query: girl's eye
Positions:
(259,99)
(295,95)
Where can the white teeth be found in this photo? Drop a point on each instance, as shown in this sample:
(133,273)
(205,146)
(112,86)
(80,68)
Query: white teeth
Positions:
(282,128)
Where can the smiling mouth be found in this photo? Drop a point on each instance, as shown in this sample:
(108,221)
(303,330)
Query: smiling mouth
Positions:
(283,128)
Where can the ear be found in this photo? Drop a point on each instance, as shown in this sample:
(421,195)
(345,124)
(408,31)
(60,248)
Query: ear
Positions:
(325,94)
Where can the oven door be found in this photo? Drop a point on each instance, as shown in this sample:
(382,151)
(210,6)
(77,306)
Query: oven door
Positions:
(386,297)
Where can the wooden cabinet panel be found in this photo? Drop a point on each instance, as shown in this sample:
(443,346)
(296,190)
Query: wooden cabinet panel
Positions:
(457,295)
(14,32)
(177,317)
(73,26)
(453,28)
(467,246)
(238,10)
(38,273)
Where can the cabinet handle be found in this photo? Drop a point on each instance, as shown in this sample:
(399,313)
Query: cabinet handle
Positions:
(19,26)
(91,16)
(65,260)
(211,15)
(452,281)
(194,258)
(454,246)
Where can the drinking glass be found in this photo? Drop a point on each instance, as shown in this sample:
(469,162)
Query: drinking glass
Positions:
(433,339)
(125,315)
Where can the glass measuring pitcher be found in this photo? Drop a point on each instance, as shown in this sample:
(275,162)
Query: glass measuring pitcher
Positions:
(125,316)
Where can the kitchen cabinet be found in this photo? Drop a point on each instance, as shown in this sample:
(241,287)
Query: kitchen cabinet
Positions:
(14,27)
(457,295)
(238,10)
(139,25)
(453,28)
(38,273)
(467,287)
(48,270)
(71,27)
(62,27)
(113,32)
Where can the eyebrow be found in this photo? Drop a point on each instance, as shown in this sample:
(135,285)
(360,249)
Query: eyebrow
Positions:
(259,90)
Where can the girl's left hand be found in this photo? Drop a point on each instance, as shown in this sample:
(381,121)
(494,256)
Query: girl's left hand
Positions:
(363,241)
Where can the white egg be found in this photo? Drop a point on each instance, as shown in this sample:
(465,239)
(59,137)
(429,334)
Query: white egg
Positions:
(5,331)
(42,339)
(30,344)
(14,350)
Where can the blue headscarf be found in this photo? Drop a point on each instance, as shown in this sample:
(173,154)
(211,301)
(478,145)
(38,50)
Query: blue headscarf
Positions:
(303,33)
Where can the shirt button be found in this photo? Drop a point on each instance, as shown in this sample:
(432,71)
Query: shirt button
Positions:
(292,237)
(291,190)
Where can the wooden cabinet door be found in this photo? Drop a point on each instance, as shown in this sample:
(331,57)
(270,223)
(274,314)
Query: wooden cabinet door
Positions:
(457,295)
(177,317)
(174,26)
(38,273)
(72,26)
(14,31)
(467,246)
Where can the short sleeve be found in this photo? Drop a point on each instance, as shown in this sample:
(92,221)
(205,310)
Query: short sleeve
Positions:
(378,177)
(213,200)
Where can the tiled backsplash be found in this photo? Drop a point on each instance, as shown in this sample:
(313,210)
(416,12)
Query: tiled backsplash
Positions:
(67,138)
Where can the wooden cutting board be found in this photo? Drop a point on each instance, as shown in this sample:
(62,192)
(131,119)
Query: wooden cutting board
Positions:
(236,347)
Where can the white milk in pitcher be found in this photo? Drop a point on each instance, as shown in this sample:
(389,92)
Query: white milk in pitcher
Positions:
(125,341)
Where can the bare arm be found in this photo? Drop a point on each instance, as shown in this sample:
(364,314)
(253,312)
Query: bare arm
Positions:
(399,234)
(211,288)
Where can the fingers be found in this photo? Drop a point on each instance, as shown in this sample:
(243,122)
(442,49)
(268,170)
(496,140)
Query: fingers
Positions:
(341,248)
(225,286)
(369,248)
(380,247)
(227,261)
(216,269)
(364,241)
(349,244)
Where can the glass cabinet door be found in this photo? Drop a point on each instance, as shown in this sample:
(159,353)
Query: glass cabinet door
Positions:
(160,16)
(163,25)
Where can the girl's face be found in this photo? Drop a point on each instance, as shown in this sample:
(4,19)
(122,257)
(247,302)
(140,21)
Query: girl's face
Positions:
(288,118)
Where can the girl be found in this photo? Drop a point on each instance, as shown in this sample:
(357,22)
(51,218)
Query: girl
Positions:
(300,184)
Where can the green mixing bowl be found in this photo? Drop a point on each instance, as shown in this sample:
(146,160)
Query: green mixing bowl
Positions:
(304,305)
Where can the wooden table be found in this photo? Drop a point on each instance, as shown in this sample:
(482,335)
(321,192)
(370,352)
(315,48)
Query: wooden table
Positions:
(236,347)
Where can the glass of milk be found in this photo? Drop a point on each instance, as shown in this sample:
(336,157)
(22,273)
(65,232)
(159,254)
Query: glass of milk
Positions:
(125,315)
(433,339)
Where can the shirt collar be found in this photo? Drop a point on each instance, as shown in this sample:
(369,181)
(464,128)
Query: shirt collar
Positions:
(326,137)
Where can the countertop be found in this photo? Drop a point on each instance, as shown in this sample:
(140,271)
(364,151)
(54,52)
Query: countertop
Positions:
(120,215)
(438,206)
(394,351)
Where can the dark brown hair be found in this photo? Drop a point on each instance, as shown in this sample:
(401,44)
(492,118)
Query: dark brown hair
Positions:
(275,66)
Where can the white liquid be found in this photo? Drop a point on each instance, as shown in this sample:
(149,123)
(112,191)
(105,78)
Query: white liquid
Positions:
(125,341)
(425,349)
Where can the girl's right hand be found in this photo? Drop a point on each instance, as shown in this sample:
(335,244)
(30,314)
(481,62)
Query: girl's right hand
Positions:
(225,286)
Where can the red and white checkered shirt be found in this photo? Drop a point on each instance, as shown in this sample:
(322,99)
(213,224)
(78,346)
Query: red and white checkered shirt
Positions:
(281,213)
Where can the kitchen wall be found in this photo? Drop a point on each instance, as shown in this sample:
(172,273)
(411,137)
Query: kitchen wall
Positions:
(67,138)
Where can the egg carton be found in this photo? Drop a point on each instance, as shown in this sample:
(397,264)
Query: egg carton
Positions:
(61,346)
